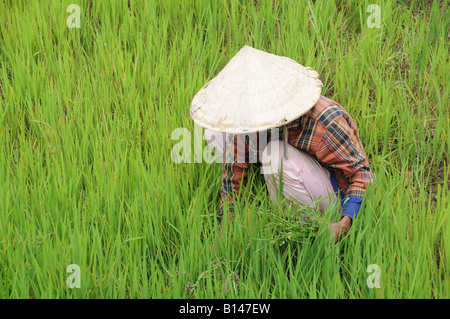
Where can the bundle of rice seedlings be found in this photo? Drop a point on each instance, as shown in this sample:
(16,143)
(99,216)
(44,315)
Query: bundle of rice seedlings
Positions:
(292,224)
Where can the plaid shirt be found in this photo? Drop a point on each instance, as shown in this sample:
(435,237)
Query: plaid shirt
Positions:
(327,133)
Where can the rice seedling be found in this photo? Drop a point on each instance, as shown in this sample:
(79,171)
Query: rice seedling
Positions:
(87,179)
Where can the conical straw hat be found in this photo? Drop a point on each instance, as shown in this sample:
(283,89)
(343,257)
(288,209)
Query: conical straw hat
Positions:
(256,91)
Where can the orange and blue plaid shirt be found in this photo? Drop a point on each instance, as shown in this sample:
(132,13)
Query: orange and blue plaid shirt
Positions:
(329,135)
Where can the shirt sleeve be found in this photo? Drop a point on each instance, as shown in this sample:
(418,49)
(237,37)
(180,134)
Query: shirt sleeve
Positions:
(351,206)
(234,171)
(341,149)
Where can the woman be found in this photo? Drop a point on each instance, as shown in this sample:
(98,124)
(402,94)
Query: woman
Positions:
(321,157)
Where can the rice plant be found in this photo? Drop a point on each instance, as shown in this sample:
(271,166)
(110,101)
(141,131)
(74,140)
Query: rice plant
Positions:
(87,179)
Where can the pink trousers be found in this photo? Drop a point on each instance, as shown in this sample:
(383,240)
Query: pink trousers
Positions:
(305,181)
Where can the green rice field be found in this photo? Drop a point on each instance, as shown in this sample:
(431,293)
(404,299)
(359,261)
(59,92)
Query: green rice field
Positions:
(87,176)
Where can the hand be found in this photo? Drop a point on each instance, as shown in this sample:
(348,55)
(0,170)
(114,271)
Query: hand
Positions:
(339,229)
